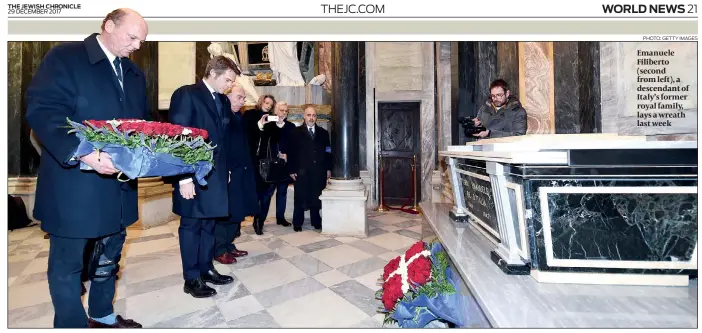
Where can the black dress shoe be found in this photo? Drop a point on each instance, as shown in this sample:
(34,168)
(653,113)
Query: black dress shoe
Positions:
(283,222)
(212,276)
(198,289)
(258,226)
(318,227)
(297,228)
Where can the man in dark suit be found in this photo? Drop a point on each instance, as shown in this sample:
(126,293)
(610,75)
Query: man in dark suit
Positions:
(93,79)
(202,105)
(309,162)
(243,200)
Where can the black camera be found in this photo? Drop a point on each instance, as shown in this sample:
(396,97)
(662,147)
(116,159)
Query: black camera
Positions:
(469,127)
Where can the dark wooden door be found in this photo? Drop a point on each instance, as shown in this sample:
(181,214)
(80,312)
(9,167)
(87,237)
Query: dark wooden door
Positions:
(399,143)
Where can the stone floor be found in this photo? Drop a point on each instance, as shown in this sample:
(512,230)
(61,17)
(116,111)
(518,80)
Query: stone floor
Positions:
(289,279)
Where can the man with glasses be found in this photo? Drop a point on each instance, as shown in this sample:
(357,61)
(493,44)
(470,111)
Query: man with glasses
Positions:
(502,115)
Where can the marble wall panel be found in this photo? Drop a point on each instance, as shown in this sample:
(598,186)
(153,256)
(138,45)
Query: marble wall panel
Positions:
(400,66)
(14,106)
(23,60)
(576,87)
(443,84)
(466,104)
(589,88)
(177,64)
(566,87)
(508,64)
(487,69)
(325,62)
(454,93)
(619,87)
(536,91)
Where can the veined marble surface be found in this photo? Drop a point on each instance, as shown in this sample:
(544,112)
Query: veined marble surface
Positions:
(559,142)
(519,301)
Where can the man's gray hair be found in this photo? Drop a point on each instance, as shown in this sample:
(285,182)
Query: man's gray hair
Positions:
(281,103)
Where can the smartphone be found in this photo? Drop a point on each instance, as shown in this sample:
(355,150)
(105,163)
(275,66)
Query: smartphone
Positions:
(273,118)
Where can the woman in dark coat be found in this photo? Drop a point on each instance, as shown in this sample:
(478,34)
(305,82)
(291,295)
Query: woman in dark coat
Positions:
(275,136)
(243,200)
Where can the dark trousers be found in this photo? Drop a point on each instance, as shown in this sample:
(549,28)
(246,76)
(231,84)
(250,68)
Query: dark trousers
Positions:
(87,255)
(197,242)
(225,231)
(299,216)
(281,194)
(66,256)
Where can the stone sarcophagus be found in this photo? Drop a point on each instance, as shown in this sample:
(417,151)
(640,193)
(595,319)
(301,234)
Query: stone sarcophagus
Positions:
(584,208)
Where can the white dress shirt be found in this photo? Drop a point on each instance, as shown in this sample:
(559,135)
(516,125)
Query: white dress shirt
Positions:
(111,57)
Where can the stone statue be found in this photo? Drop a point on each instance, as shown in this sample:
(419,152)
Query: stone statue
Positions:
(285,64)
(318,80)
(246,82)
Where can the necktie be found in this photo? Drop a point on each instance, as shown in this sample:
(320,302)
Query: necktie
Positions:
(118,68)
(218,103)
(311,132)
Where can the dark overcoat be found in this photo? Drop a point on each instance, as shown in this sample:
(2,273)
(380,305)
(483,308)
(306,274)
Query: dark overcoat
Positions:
(253,135)
(76,80)
(243,200)
(310,159)
(277,140)
(193,106)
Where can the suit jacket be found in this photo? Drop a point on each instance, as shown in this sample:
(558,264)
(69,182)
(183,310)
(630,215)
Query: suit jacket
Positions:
(310,159)
(76,80)
(243,200)
(193,105)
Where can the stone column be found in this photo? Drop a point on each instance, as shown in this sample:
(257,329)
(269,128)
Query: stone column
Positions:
(343,201)
(345,144)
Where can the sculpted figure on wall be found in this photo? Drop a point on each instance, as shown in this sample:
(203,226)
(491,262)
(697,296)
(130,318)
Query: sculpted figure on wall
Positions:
(227,49)
(285,64)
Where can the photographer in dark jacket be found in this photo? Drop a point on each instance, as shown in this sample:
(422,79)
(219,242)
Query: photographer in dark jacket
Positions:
(502,115)
(275,136)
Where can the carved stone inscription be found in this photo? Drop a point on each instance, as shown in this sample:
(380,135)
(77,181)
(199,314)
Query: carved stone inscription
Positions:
(479,201)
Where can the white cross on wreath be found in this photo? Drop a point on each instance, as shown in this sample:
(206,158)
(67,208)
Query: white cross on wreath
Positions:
(402,269)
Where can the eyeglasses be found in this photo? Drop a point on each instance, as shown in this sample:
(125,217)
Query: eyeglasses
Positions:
(497,95)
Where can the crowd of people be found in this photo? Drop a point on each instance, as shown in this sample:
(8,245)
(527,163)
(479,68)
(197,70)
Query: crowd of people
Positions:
(86,213)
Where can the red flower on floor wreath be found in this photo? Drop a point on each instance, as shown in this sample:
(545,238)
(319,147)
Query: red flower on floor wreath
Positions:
(419,271)
(391,267)
(392,291)
(418,289)
(412,269)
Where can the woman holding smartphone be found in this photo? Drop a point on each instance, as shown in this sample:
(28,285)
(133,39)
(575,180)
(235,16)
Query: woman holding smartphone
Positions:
(274,132)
